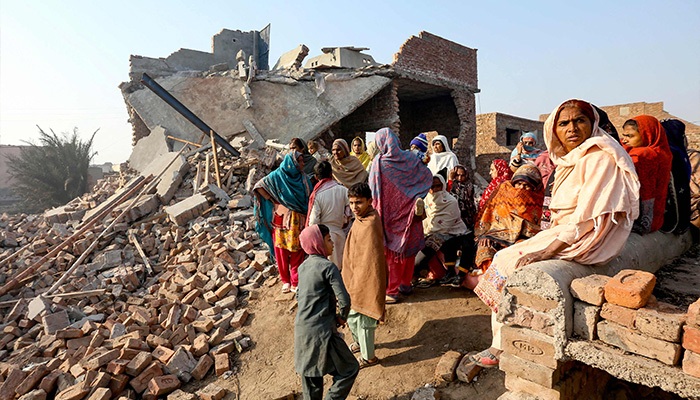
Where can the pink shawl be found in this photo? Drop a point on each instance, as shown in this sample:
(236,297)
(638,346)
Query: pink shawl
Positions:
(312,241)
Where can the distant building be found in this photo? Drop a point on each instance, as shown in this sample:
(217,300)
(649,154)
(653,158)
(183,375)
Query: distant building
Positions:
(497,135)
(341,57)
(7,198)
(620,113)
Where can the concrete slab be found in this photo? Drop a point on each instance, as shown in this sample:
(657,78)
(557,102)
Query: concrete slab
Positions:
(280,111)
(292,58)
(172,177)
(148,148)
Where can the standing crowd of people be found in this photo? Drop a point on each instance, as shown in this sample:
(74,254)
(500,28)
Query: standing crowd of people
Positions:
(362,226)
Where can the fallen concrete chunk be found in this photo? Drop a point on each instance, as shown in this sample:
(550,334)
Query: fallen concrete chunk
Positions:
(188,209)
(148,148)
(292,58)
(171,179)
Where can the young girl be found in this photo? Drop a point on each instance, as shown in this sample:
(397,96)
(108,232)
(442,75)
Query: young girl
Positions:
(318,349)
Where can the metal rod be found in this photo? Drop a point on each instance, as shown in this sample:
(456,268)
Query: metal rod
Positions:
(216,160)
(185,112)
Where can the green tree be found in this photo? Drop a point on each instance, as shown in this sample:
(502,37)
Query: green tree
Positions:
(53,172)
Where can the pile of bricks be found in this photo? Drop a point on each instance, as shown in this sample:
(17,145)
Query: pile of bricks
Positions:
(159,302)
(621,312)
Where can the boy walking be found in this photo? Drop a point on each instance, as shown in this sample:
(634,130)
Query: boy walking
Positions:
(318,349)
(364,273)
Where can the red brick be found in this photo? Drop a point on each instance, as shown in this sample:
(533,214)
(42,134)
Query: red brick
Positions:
(529,345)
(662,321)
(694,314)
(116,367)
(31,380)
(630,288)
(75,392)
(140,383)
(49,381)
(691,363)
(446,367)
(212,392)
(590,289)
(162,354)
(98,359)
(621,315)
(118,383)
(139,363)
(691,338)
(14,378)
(467,369)
(203,365)
(164,384)
(634,342)
(101,394)
(533,301)
(221,364)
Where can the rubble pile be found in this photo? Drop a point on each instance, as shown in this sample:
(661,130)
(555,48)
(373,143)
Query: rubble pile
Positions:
(159,302)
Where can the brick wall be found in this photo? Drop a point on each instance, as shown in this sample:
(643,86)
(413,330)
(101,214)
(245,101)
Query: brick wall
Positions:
(438,58)
(491,137)
(379,112)
(436,114)
(620,113)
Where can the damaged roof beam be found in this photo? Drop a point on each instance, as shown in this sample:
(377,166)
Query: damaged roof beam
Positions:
(185,112)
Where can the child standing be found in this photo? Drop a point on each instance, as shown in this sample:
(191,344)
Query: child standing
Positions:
(318,349)
(365,273)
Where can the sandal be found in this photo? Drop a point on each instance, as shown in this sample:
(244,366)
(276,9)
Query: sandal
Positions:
(285,288)
(485,359)
(389,299)
(354,347)
(405,290)
(424,283)
(367,363)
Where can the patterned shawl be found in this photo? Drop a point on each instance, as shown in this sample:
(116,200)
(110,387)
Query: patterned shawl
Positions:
(464,193)
(653,164)
(397,179)
(362,156)
(504,174)
(349,170)
(509,215)
(288,186)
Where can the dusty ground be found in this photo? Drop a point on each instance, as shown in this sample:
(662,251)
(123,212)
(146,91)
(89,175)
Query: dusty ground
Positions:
(416,333)
(678,282)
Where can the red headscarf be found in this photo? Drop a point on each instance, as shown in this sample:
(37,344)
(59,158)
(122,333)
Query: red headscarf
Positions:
(504,174)
(653,164)
(312,241)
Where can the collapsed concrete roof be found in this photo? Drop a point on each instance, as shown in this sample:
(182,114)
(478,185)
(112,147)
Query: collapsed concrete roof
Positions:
(434,79)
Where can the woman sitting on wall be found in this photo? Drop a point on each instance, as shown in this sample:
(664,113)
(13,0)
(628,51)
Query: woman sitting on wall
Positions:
(347,169)
(595,200)
(511,215)
(500,173)
(677,214)
(645,141)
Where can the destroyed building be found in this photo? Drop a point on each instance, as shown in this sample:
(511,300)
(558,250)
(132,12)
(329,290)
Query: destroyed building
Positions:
(429,86)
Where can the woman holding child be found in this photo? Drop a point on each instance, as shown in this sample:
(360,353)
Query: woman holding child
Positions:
(595,199)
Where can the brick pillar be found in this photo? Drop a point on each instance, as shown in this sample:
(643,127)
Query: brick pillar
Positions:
(466,142)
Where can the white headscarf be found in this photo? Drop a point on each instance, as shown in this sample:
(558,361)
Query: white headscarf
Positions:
(446,159)
(442,213)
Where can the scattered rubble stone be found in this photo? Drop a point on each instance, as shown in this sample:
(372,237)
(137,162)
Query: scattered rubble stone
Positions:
(160,300)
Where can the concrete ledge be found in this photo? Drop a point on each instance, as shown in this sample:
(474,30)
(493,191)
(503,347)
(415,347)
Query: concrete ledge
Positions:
(550,279)
(634,368)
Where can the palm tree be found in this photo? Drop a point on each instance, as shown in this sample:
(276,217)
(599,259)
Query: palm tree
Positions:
(51,173)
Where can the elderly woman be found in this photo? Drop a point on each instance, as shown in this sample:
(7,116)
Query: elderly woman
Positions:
(443,159)
(443,228)
(358,150)
(594,203)
(281,205)
(347,169)
(398,179)
(677,214)
(512,214)
(525,151)
(645,141)
(499,173)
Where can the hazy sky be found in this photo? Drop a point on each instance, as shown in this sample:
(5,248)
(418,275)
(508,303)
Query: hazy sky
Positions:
(61,61)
